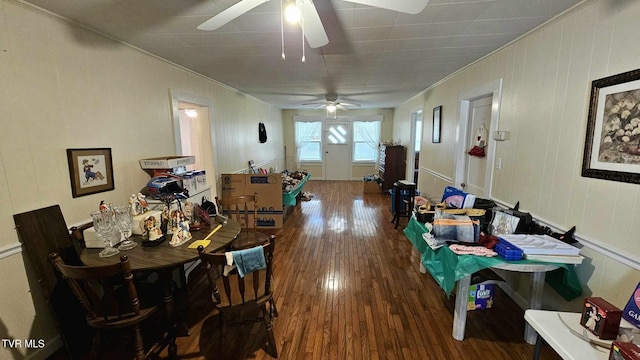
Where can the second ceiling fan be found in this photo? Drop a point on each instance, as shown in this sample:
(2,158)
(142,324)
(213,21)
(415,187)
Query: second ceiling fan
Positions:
(311,25)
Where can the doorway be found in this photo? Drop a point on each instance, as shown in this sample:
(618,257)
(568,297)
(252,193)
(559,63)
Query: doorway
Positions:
(468,169)
(337,148)
(416,140)
(479,120)
(193,134)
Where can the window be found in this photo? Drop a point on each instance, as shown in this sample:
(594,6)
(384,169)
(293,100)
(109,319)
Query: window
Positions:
(308,137)
(366,136)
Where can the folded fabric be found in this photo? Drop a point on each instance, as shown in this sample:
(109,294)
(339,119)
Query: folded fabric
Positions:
(472,250)
(249,260)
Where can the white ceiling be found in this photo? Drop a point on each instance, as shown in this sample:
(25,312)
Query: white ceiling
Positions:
(375,57)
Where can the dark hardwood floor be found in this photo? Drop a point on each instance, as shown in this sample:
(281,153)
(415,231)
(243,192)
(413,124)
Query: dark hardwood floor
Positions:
(347,286)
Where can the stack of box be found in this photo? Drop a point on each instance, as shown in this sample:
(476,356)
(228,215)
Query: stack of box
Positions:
(269,190)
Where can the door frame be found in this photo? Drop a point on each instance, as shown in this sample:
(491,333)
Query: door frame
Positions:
(178,97)
(412,141)
(349,144)
(494,89)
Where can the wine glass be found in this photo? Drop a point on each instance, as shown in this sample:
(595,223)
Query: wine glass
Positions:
(124,222)
(104,225)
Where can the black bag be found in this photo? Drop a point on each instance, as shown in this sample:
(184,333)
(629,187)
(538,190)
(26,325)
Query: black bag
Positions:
(208,206)
(526,224)
(262,133)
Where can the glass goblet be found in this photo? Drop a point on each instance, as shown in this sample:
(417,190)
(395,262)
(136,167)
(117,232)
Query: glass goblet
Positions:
(124,223)
(104,225)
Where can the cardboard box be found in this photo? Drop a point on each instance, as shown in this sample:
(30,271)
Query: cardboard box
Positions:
(624,351)
(601,318)
(371,187)
(269,190)
(631,311)
(480,296)
(167,162)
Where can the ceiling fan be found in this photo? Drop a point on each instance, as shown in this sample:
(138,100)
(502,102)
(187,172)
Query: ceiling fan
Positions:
(331,104)
(311,25)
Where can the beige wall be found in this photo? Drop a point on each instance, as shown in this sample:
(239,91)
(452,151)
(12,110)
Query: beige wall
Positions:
(545,97)
(63,87)
(358,171)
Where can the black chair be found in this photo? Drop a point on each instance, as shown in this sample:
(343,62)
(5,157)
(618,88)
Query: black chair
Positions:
(243,299)
(109,295)
(403,200)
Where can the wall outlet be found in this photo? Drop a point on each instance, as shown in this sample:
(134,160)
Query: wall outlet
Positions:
(499,163)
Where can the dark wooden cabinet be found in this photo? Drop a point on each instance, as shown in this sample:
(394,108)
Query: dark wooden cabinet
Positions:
(391,166)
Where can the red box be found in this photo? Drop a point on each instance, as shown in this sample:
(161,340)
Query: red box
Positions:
(601,318)
(624,351)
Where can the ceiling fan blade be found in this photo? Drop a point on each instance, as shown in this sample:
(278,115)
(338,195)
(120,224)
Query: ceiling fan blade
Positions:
(404,6)
(313,29)
(229,14)
(349,104)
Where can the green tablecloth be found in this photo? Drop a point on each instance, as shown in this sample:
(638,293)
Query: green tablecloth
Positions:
(289,197)
(446,267)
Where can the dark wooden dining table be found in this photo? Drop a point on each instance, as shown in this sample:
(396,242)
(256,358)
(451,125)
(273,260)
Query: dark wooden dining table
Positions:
(164,258)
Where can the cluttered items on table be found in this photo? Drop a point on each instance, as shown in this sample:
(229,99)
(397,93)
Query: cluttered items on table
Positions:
(468,221)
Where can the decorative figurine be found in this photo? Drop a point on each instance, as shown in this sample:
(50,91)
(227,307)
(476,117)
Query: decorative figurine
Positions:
(135,205)
(181,233)
(143,202)
(151,229)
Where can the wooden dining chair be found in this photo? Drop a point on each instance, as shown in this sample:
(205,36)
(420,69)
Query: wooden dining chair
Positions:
(243,209)
(242,299)
(109,295)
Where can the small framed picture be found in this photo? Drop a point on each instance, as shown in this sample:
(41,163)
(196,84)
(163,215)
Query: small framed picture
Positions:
(90,170)
(437,112)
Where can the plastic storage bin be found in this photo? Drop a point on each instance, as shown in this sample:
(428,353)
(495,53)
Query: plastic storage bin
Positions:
(507,250)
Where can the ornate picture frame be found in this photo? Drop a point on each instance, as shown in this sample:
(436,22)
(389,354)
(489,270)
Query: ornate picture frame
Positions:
(612,142)
(435,134)
(90,171)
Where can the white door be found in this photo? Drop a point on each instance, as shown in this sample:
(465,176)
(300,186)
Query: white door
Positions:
(337,146)
(471,173)
(479,118)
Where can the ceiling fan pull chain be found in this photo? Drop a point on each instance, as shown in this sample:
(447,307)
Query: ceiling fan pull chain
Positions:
(302,26)
(282,26)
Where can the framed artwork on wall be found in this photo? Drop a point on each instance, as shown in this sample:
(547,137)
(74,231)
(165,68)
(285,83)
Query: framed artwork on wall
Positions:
(90,171)
(437,112)
(612,142)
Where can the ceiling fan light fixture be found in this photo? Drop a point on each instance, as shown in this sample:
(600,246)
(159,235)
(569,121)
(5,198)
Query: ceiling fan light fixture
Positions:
(292,13)
(331,108)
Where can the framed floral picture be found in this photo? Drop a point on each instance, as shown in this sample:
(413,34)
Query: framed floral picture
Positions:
(90,170)
(612,142)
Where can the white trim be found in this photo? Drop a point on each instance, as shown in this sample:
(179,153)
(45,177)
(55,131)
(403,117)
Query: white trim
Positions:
(411,153)
(436,174)
(10,249)
(595,245)
(179,96)
(494,89)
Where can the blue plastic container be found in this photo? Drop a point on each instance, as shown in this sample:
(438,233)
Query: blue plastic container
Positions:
(507,250)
